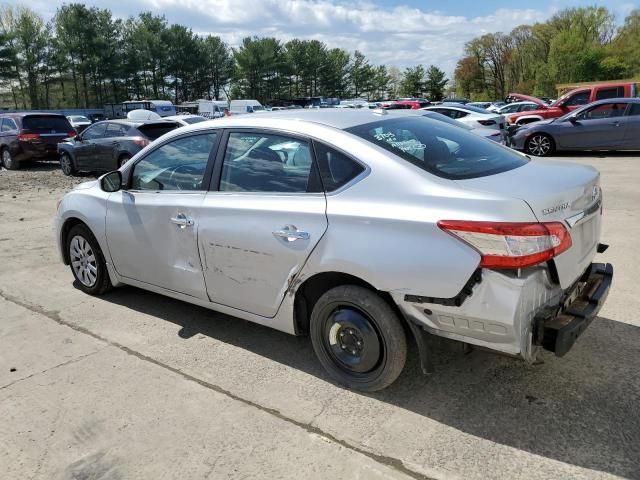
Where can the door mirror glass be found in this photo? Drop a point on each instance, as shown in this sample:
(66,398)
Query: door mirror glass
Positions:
(573,118)
(111,182)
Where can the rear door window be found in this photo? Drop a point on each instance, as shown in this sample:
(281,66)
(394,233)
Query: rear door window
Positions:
(263,162)
(635,109)
(95,131)
(9,125)
(46,124)
(614,92)
(606,110)
(438,148)
(116,130)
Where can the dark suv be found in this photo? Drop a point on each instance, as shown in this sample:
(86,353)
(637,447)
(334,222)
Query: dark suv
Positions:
(105,146)
(31,136)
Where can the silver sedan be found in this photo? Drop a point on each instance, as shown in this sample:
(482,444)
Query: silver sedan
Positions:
(612,124)
(360,228)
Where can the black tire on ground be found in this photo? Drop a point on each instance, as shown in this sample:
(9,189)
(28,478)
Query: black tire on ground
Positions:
(123,159)
(93,277)
(540,145)
(66,164)
(8,161)
(358,338)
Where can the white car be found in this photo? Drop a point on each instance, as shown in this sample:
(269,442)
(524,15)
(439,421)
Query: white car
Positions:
(79,122)
(472,116)
(186,119)
(516,107)
(356,227)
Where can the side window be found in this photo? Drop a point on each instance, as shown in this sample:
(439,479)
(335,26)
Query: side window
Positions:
(635,109)
(605,93)
(336,168)
(606,110)
(580,98)
(528,108)
(460,114)
(177,165)
(261,162)
(116,130)
(95,131)
(446,111)
(8,125)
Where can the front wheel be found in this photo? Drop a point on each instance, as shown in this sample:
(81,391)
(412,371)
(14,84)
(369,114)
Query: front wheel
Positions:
(540,145)
(358,338)
(87,261)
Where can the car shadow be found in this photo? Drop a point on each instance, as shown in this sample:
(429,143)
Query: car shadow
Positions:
(583,409)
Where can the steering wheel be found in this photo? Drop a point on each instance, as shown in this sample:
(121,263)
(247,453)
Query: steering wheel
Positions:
(186,184)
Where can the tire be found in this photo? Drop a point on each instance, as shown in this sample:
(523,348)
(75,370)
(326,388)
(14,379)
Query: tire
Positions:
(66,164)
(87,261)
(358,338)
(123,159)
(8,161)
(540,145)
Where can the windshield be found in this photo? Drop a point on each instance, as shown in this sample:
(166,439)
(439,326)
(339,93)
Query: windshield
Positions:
(438,148)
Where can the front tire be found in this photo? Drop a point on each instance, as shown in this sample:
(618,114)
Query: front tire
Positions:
(87,261)
(66,164)
(8,161)
(540,145)
(358,338)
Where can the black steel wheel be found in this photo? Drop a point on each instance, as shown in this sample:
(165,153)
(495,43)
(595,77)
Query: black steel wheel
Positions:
(358,338)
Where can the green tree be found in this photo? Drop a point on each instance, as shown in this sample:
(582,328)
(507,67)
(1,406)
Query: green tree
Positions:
(435,83)
(412,84)
(361,75)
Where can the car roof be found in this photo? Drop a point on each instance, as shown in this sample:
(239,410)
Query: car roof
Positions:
(26,114)
(614,100)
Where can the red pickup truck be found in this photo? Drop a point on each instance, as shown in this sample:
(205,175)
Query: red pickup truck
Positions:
(570,101)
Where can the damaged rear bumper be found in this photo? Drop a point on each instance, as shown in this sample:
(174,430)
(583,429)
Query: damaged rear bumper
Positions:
(556,329)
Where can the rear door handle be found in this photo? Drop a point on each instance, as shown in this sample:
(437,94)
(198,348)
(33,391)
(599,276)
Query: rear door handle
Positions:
(182,220)
(617,124)
(290,233)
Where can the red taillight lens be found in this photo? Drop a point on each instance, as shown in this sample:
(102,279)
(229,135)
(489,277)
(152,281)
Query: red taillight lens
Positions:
(72,133)
(140,141)
(27,136)
(511,244)
(487,122)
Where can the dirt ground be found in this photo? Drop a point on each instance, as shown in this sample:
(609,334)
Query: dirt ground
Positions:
(136,385)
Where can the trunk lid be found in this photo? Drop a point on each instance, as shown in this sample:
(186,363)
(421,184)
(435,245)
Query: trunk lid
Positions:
(555,192)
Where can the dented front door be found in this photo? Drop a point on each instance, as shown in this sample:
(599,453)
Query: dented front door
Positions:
(253,244)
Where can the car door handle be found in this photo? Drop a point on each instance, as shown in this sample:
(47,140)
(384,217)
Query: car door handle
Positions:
(617,124)
(290,233)
(182,220)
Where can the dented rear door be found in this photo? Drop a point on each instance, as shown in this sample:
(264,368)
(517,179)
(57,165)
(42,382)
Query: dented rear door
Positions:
(253,242)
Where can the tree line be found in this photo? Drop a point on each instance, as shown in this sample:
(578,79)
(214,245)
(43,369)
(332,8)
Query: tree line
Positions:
(574,45)
(85,57)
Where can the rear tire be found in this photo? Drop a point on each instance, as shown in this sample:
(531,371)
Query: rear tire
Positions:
(8,161)
(66,164)
(87,262)
(358,338)
(540,145)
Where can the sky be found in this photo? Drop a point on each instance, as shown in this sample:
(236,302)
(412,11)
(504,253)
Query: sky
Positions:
(393,32)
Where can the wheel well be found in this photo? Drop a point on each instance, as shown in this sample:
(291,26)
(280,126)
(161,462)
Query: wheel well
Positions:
(314,287)
(66,228)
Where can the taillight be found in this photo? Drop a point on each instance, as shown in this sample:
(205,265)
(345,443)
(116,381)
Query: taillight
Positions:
(72,133)
(27,136)
(511,244)
(140,141)
(487,122)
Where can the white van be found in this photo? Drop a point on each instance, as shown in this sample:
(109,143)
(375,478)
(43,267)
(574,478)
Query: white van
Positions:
(212,108)
(246,106)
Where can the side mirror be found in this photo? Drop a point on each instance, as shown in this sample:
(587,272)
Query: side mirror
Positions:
(78,138)
(111,182)
(573,118)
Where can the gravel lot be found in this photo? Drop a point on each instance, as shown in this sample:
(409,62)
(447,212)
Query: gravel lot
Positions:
(136,385)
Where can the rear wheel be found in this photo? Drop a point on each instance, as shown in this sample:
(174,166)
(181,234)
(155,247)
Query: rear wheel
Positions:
(540,145)
(8,161)
(87,261)
(66,164)
(358,338)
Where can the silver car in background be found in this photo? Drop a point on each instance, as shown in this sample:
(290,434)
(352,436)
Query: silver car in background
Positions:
(360,228)
(612,124)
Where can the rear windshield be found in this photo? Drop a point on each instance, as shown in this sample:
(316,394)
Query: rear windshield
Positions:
(438,148)
(79,119)
(46,123)
(153,131)
(192,120)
